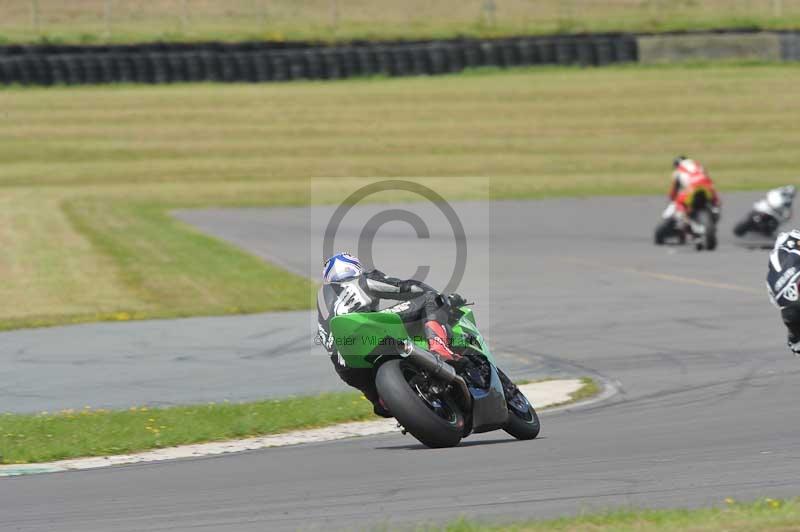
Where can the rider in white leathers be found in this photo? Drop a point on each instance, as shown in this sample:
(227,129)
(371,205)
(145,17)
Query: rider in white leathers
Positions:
(768,213)
(777,204)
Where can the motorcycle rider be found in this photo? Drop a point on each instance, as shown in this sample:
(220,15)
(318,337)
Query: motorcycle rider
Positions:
(347,288)
(783,276)
(689,179)
(777,205)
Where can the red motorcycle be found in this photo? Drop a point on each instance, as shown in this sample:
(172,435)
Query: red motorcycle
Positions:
(698,227)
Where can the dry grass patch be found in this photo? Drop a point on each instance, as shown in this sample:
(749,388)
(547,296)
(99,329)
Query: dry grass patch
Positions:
(46,265)
(616,125)
(91,21)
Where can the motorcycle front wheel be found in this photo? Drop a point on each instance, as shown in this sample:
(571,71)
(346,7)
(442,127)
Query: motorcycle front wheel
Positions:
(743,227)
(523,422)
(663,231)
(434,419)
(523,425)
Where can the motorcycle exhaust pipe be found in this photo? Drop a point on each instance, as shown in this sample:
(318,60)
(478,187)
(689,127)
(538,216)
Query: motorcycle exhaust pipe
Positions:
(426,360)
(434,365)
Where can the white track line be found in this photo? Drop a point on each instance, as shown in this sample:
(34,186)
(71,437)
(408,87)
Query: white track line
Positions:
(540,394)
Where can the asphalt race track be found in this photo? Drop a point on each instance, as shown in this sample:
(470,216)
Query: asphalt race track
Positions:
(705,409)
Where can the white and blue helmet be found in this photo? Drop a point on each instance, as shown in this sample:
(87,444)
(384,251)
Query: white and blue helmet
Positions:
(340,268)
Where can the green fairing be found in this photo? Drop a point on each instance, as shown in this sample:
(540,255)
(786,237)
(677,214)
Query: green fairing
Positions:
(358,335)
(467,325)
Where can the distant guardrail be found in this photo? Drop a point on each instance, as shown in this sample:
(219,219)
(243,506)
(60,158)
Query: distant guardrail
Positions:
(264,62)
(707,46)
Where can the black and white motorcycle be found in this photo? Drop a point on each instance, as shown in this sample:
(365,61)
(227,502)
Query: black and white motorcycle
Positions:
(767,214)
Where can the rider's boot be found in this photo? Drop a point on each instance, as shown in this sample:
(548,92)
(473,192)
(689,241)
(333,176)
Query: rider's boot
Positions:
(683,226)
(380,408)
(438,341)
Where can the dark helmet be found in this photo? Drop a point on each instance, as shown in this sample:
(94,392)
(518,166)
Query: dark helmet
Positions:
(676,162)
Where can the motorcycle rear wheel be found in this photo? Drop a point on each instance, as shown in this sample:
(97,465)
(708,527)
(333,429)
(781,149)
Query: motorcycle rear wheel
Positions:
(705,218)
(435,420)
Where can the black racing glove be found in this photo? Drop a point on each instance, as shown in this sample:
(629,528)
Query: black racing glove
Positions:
(456,300)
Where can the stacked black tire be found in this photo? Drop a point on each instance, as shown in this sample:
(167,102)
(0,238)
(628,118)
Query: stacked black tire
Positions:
(263,62)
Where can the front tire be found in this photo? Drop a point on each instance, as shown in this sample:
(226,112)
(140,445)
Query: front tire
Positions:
(434,420)
(663,231)
(743,227)
(523,422)
(523,427)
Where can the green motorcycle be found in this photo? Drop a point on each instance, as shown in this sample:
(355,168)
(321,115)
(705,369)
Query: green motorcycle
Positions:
(439,404)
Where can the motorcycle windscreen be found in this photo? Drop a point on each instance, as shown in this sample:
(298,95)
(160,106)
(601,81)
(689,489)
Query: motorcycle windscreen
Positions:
(361,337)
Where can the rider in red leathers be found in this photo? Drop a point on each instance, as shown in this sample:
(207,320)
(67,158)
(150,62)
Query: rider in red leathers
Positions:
(688,180)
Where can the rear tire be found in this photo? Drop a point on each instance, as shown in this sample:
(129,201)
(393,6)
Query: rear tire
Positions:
(705,218)
(711,242)
(434,426)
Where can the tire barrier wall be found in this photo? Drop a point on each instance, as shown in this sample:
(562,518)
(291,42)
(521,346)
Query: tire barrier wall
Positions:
(263,62)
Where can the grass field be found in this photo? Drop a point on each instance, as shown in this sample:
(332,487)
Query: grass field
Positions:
(88,175)
(96,21)
(767,515)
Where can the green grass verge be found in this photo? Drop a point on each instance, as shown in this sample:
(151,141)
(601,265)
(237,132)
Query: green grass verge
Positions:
(199,274)
(70,434)
(44,437)
(94,22)
(88,174)
(170,270)
(762,515)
